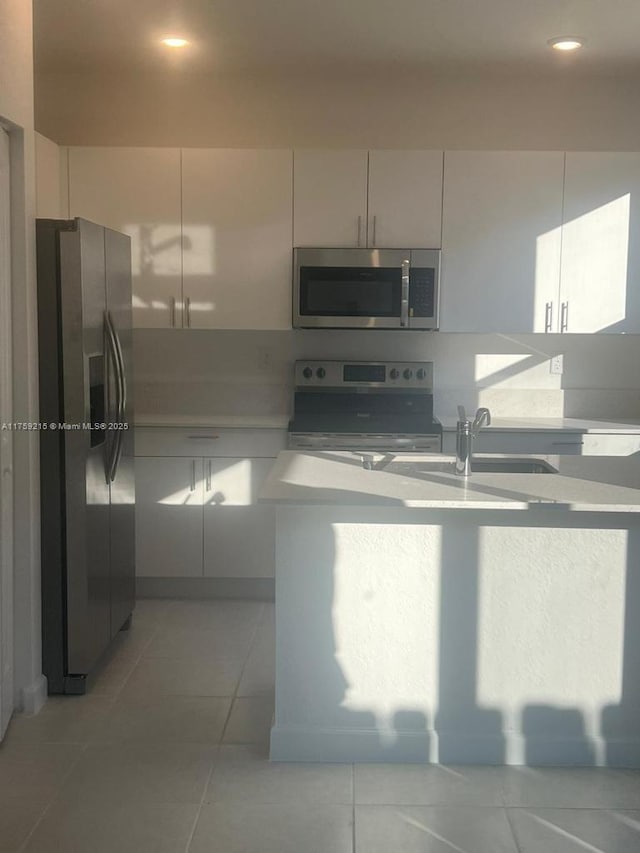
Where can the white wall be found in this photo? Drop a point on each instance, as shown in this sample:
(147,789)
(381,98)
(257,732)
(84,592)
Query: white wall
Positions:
(16,110)
(387,110)
(51,183)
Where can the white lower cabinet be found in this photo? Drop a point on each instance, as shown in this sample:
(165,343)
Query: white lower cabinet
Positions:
(169,495)
(198,515)
(558,443)
(611,444)
(239,533)
(496,441)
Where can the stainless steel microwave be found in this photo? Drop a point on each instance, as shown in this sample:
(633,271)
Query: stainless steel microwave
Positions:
(366,288)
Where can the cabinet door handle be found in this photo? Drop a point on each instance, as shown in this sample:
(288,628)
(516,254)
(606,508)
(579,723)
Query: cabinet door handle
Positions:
(172,312)
(203,437)
(373,239)
(193,475)
(567,443)
(208,481)
(187,305)
(548,316)
(359,231)
(564,317)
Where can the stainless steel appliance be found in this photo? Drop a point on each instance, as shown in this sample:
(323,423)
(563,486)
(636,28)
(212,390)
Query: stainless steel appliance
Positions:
(366,288)
(86,449)
(357,405)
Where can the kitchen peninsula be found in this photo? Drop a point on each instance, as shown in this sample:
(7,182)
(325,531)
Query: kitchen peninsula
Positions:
(424,617)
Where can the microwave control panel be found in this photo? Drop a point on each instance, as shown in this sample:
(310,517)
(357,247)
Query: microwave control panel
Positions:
(422,297)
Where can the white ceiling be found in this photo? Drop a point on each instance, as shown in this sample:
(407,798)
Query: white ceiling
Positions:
(234,35)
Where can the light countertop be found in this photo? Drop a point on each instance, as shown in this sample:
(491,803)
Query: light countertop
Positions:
(594,425)
(333,478)
(212,421)
(623,426)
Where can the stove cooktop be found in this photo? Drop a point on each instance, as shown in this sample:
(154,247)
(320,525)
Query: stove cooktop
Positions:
(380,405)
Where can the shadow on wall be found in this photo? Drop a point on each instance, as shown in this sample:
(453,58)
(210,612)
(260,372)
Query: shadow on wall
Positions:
(620,722)
(617,742)
(453,725)
(467,733)
(314,697)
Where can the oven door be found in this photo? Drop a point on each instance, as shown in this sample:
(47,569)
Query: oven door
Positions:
(351,288)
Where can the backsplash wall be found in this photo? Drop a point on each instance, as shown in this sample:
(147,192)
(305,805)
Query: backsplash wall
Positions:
(203,372)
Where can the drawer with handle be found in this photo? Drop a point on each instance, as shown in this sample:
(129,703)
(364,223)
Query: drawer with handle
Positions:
(170,441)
(549,443)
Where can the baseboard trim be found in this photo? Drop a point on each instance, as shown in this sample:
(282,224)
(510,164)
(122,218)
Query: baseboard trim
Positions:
(515,748)
(250,589)
(33,697)
(349,745)
(432,747)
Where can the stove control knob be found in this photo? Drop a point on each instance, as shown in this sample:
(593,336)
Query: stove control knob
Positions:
(307,373)
(421,373)
(394,373)
(408,373)
(321,373)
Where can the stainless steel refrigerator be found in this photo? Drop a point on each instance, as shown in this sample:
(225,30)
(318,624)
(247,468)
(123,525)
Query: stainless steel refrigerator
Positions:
(87,474)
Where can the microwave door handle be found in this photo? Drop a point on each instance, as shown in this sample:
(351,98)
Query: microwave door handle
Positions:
(404,298)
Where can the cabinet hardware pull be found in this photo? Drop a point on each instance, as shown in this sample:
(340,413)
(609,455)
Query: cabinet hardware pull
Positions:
(208,482)
(359,231)
(548,316)
(193,475)
(172,312)
(567,443)
(373,241)
(187,303)
(203,437)
(564,317)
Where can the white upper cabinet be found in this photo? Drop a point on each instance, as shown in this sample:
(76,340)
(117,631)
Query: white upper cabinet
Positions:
(330,198)
(405,199)
(501,241)
(137,191)
(600,275)
(237,226)
(388,199)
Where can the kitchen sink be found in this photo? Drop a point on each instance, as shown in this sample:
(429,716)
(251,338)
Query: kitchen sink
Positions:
(512,466)
(410,465)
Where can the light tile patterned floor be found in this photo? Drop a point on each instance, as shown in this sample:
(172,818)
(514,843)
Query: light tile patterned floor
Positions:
(167,754)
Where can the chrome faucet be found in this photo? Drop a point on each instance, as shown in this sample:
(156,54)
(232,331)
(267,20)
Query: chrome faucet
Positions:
(466,431)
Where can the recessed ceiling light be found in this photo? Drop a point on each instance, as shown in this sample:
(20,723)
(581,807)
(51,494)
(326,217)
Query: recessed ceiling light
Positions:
(566,43)
(174,41)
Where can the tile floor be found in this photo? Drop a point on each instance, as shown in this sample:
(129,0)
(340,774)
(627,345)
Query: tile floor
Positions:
(167,754)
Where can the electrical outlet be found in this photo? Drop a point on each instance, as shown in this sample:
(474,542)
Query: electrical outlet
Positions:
(264,359)
(556,365)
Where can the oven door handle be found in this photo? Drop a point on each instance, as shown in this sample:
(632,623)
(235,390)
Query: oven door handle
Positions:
(404,295)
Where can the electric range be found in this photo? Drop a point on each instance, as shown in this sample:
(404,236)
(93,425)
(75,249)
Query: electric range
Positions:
(364,405)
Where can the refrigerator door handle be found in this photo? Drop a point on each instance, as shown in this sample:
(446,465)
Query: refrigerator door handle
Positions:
(118,454)
(123,380)
(123,401)
(113,358)
(115,455)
